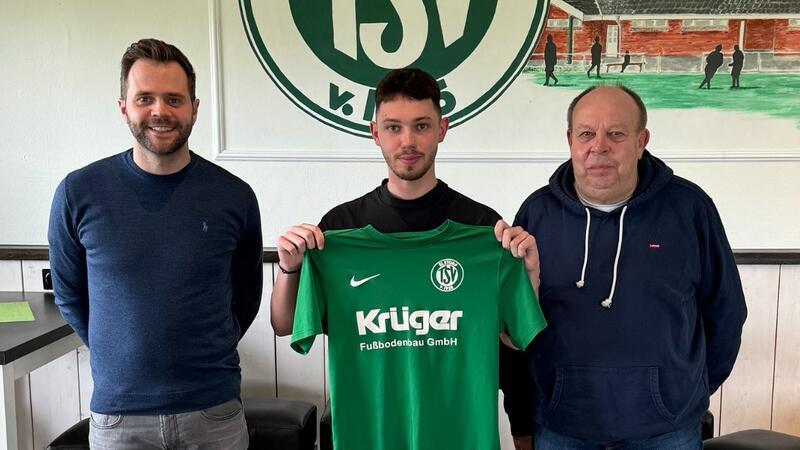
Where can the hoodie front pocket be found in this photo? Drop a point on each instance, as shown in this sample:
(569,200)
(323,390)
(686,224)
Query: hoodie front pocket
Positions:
(617,400)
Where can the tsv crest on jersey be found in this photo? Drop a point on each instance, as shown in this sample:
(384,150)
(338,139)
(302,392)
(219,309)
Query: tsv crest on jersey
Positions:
(447,275)
(327,56)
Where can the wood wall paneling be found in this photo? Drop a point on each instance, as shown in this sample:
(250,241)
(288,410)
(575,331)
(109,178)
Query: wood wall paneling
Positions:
(10,276)
(715,405)
(786,406)
(32,275)
(747,394)
(24,420)
(257,349)
(55,400)
(85,381)
(503,426)
(301,377)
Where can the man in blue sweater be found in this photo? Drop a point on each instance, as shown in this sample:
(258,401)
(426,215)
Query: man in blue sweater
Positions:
(638,285)
(156,259)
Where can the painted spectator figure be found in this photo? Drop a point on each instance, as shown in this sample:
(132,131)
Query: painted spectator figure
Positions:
(156,260)
(736,66)
(639,287)
(597,51)
(550,61)
(713,62)
(626,61)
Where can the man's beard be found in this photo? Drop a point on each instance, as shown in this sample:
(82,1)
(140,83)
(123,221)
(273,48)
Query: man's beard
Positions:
(422,168)
(139,132)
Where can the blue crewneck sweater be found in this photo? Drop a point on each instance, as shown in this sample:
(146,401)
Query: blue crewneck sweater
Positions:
(646,365)
(160,276)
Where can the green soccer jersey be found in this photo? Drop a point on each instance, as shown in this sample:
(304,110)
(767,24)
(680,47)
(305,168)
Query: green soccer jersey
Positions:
(413,322)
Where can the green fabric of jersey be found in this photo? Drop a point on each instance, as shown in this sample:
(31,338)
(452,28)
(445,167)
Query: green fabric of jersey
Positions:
(412,322)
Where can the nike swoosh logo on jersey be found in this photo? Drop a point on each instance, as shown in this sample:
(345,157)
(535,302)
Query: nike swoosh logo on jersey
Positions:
(357,283)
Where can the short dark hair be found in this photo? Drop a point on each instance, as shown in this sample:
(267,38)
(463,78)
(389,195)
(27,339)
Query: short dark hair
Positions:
(158,51)
(409,82)
(633,95)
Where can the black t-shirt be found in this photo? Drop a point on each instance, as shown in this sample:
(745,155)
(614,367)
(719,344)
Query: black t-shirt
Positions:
(389,214)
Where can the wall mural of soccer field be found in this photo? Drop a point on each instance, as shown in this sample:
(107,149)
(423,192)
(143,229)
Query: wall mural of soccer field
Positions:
(735,56)
(721,79)
(770,94)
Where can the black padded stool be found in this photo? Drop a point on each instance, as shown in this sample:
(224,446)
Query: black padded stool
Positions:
(279,424)
(707,426)
(273,423)
(753,440)
(325,430)
(75,438)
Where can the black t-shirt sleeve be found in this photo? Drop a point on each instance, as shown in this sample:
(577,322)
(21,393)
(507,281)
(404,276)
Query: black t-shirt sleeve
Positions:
(343,217)
(469,212)
(325,223)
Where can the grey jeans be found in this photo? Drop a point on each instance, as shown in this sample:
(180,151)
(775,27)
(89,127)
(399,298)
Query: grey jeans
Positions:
(220,427)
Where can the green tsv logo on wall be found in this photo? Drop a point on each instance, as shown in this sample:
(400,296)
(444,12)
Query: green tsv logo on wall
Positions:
(327,56)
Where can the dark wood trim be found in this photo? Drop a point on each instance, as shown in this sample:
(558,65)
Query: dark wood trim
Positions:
(270,255)
(39,253)
(29,252)
(766,257)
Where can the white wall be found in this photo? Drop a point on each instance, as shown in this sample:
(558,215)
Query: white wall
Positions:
(59,83)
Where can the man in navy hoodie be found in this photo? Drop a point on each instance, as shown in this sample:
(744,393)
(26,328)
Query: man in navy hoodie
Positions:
(638,285)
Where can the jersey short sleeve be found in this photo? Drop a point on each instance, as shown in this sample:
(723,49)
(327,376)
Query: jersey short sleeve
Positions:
(310,310)
(520,313)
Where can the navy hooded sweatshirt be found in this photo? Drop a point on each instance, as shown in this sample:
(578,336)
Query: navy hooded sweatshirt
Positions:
(637,349)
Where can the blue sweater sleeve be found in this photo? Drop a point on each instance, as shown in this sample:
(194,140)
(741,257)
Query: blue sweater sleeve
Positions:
(68,264)
(721,300)
(248,269)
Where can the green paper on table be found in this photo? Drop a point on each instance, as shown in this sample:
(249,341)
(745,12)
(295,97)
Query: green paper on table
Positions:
(15,312)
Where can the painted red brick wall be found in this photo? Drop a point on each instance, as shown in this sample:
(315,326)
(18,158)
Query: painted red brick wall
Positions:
(559,34)
(759,35)
(556,13)
(583,37)
(786,39)
(677,42)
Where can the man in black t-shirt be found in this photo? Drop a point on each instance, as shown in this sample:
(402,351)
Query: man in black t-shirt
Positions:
(389,214)
(408,128)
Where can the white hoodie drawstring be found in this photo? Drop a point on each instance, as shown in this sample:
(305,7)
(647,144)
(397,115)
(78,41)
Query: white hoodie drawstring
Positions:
(581,282)
(607,302)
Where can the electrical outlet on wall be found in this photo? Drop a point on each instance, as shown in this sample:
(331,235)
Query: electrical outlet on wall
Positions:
(47,282)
